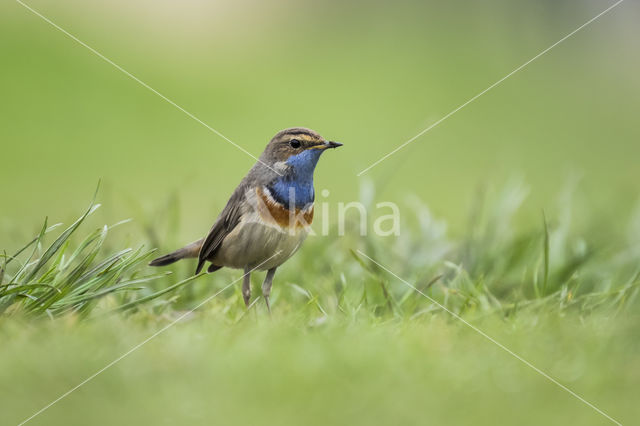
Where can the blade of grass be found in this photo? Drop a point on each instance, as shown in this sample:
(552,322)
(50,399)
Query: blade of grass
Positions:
(27,287)
(120,286)
(158,293)
(49,229)
(53,248)
(545,280)
(24,267)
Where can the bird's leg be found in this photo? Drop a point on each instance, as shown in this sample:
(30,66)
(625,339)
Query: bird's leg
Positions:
(266,286)
(246,286)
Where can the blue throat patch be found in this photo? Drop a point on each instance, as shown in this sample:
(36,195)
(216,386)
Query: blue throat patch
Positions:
(298,183)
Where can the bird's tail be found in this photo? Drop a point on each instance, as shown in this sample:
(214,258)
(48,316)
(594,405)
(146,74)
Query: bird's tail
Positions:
(191,250)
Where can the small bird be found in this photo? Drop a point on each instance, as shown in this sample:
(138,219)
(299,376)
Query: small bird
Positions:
(268,215)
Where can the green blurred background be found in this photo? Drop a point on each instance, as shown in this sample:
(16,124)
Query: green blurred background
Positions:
(370,75)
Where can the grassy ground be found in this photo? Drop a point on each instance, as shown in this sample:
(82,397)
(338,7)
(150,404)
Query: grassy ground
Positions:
(278,371)
(348,341)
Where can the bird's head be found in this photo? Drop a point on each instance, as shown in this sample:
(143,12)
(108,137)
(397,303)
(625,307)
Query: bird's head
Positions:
(296,151)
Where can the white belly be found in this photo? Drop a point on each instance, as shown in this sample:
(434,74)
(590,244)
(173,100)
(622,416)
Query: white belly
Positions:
(254,244)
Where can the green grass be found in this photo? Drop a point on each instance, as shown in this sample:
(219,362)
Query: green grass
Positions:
(347,343)
(61,280)
(278,371)
(497,268)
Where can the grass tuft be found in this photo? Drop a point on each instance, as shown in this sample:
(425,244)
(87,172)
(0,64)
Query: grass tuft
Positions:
(60,280)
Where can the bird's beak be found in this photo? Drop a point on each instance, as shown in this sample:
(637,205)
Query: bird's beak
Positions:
(326,145)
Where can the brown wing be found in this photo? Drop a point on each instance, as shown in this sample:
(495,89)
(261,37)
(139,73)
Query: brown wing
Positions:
(228,219)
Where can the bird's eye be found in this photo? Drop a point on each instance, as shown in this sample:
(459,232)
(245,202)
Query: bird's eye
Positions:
(295,143)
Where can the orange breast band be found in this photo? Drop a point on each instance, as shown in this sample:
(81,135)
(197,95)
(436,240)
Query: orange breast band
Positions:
(273,212)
